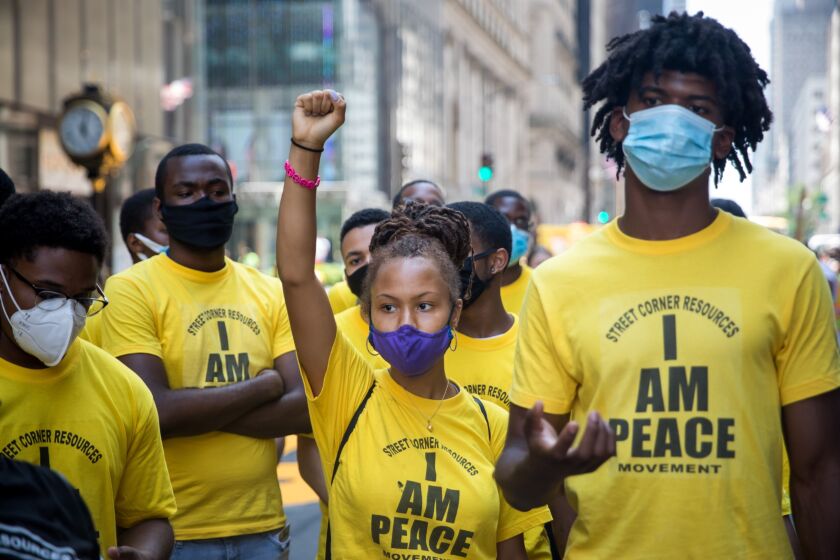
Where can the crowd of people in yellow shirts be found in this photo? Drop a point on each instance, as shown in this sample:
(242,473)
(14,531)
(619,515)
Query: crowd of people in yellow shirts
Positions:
(629,398)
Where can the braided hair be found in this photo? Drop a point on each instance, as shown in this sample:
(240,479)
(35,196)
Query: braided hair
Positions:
(684,43)
(416,229)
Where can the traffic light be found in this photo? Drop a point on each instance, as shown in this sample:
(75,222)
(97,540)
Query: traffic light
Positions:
(485,172)
(603,217)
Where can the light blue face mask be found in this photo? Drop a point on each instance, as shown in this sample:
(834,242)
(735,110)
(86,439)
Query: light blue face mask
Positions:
(668,146)
(519,246)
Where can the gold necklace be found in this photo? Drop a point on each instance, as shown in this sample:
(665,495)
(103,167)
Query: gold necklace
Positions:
(440,404)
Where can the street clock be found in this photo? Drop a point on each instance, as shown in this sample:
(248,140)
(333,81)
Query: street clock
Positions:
(84,129)
(97,131)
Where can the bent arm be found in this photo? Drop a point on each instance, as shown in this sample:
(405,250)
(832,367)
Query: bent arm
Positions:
(281,417)
(315,117)
(190,412)
(151,539)
(811,428)
(526,480)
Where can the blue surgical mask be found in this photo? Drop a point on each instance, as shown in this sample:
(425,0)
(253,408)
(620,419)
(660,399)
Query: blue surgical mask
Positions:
(668,146)
(519,247)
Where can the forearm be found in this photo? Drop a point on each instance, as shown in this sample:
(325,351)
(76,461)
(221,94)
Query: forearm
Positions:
(284,416)
(296,225)
(816,511)
(564,517)
(153,538)
(190,412)
(310,467)
(525,483)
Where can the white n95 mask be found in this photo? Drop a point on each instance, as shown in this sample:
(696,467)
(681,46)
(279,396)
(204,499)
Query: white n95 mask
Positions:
(47,330)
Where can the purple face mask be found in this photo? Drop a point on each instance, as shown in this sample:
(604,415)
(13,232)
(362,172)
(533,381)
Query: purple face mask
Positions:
(411,351)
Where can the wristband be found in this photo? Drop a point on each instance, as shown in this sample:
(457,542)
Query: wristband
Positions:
(302,147)
(305,183)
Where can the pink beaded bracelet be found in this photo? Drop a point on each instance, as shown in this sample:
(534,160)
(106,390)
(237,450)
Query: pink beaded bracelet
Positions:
(305,183)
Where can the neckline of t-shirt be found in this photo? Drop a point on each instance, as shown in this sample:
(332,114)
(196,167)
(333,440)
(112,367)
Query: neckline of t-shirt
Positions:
(45,375)
(670,246)
(490,343)
(403,396)
(197,275)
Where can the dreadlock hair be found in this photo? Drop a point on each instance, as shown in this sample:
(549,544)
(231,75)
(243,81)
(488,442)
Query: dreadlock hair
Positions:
(416,229)
(683,43)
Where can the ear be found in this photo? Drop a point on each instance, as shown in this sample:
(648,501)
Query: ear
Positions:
(498,261)
(456,314)
(618,124)
(156,203)
(722,142)
(135,246)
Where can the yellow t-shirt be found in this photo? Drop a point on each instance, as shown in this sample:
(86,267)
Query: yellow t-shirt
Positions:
(341,297)
(484,367)
(94,421)
(513,295)
(356,330)
(690,357)
(402,490)
(210,329)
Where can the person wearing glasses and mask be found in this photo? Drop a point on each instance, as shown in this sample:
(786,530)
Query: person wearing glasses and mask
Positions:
(66,404)
(516,278)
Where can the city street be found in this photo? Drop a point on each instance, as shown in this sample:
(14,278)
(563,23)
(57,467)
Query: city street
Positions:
(301,505)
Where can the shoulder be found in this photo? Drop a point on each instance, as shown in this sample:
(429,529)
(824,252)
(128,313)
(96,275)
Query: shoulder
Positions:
(347,317)
(769,243)
(137,276)
(118,379)
(254,277)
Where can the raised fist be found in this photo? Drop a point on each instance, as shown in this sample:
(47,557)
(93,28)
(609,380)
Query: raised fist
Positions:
(316,116)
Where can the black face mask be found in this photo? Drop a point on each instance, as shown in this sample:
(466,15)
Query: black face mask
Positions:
(356,280)
(204,224)
(472,286)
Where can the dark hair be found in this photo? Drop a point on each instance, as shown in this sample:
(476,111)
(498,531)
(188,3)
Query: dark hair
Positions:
(185,150)
(491,227)
(135,212)
(729,206)
(49,219)
(495,197)
(416,229)
(398,198)
(7,187)
(362,218)
(686,44)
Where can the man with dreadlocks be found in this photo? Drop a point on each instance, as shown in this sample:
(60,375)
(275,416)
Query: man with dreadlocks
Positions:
(705,353)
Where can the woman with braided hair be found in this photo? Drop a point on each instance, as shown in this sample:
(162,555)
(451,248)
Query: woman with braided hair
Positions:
(408,456)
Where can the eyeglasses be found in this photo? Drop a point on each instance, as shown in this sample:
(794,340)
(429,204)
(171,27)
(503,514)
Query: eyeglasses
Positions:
(52,300)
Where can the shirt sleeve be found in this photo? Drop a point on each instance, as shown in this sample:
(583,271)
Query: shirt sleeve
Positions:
(283,342)
(807,364)
(512,522)
(346,381)
(128,325)
(144,491)
(541,370)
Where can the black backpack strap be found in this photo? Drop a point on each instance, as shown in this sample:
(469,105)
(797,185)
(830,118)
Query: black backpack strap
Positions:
(350,427)
(484,413)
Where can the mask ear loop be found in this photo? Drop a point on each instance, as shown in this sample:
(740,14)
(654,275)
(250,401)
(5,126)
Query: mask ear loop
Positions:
(11,295)
(368,344)
(454,339)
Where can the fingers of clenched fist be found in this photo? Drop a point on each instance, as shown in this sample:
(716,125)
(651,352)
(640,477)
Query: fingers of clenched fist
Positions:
(317,115)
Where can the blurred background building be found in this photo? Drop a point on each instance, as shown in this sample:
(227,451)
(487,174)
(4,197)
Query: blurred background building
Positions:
(439,89)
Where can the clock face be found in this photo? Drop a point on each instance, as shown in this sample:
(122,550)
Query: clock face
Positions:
(83,130)
(121,121)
